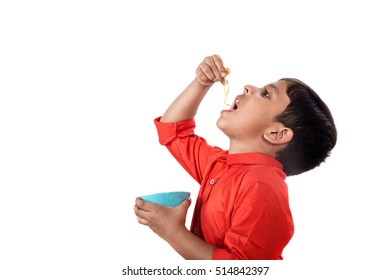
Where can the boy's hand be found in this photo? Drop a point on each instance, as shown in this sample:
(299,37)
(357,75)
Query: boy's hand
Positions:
(211,70)
(165,221)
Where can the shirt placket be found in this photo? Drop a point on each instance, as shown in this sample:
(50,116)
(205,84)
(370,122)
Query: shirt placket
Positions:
(220,168)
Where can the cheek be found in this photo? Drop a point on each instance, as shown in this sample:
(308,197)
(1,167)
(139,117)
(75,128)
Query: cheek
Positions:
(255,121)
(249,121)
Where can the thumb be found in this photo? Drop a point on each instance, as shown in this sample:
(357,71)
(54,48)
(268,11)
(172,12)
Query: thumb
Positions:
(186,203)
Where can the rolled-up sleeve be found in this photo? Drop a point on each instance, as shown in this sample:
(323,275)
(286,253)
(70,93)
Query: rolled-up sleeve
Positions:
(190,150)
(169,131)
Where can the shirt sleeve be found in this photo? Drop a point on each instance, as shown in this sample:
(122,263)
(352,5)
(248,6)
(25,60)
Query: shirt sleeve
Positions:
(190,150)
(260,228)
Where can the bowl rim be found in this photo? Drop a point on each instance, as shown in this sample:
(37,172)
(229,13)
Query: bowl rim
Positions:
(162,193)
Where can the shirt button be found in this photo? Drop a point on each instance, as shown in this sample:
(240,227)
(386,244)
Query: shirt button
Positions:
(212,182)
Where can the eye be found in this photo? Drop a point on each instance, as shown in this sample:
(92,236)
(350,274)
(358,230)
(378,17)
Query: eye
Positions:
(266,94)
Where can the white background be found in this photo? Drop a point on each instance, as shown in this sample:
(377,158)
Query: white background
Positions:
(81,82)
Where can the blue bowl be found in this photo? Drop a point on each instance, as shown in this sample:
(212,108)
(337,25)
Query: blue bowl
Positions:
(166,198)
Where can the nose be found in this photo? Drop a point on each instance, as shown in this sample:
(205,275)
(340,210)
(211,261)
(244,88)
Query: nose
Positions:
(248,89)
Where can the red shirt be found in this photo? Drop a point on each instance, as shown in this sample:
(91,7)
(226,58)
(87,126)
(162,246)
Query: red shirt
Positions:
(242,206)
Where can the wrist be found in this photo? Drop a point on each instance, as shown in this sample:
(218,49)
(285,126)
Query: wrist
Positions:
(190,246)
(204,84)
(176,234)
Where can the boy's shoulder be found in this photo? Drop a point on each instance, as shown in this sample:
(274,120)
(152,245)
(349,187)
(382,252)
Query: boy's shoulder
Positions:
(261,180)
(263,174)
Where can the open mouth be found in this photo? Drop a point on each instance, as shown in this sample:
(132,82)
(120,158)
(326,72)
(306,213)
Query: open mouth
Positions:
(235,104)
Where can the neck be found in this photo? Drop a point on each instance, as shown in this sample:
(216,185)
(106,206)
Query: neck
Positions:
(239,148)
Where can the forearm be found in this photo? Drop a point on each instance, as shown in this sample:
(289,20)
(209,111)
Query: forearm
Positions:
(186,105)
(191,247)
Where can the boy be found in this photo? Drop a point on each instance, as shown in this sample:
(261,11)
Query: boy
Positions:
(242,210)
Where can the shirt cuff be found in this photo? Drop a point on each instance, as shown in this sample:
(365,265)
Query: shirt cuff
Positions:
(169,131)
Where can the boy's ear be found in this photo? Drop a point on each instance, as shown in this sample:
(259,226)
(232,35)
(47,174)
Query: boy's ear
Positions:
(278,134)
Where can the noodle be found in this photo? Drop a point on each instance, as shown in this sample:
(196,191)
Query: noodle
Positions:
(226,88)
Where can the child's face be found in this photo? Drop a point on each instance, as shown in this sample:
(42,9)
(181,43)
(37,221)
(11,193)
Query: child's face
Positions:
(254,112)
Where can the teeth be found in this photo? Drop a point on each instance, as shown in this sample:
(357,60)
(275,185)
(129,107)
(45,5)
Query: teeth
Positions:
(234,105)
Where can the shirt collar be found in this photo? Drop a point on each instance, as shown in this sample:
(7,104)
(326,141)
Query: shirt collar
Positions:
(253,158)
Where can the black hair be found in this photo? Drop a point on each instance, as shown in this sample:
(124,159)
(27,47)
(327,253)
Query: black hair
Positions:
(315,133)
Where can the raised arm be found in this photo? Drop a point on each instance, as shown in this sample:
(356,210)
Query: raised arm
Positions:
(185,106)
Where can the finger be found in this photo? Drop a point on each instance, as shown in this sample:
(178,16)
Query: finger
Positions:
(143,221)
(140,213)
(221,72)
(144,205)
(215,64)
(186,203)
(143,217)
(139,202)
(136,210)
(207,73)
(202,78)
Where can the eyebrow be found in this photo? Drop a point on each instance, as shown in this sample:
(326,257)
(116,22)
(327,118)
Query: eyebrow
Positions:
(274,87)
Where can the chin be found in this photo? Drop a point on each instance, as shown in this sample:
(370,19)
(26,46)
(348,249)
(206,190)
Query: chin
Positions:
(222,125)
